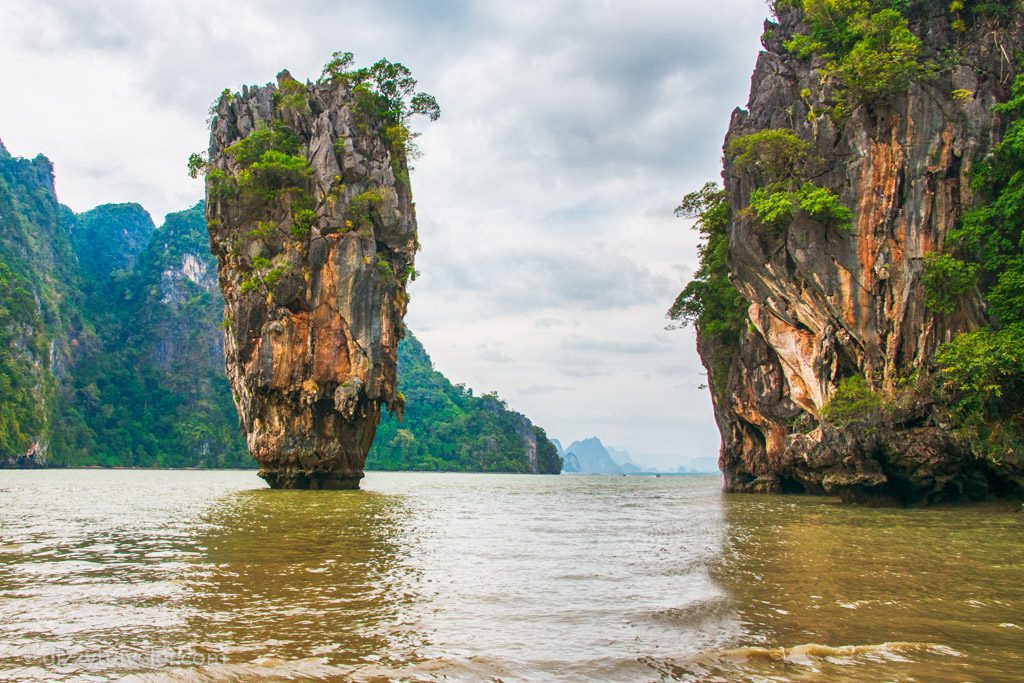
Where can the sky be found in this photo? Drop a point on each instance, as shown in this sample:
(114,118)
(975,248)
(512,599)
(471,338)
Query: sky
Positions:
(545,193)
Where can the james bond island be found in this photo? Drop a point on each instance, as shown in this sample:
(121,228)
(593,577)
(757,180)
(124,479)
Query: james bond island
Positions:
(311,219)
(860,299)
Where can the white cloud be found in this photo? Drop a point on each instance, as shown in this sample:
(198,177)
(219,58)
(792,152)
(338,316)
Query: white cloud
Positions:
(569,131)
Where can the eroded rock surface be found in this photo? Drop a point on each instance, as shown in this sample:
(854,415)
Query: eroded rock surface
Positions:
(313,313)
(828,302)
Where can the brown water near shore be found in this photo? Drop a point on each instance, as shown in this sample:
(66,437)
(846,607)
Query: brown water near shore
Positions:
(209,576)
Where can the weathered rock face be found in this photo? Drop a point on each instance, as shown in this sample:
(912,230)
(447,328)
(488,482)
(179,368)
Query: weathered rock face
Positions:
(313,316)
(827,303)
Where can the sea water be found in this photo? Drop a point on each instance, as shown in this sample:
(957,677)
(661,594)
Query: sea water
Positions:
(209,576)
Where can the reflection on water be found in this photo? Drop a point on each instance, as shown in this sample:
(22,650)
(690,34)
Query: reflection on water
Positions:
(134,570)
(208,576)
(290,574)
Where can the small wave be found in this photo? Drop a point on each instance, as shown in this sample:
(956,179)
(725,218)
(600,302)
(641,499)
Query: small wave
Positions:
(264,669)
(443,668)
(723,665)
(693,615)
(318,669)
(718,665)
(808,651)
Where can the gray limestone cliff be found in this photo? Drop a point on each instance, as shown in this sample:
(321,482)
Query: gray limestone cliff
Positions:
(311,218)
(827,302)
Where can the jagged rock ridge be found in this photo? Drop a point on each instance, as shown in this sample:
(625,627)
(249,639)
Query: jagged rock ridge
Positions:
(827,303)
(313,271)
(591,456)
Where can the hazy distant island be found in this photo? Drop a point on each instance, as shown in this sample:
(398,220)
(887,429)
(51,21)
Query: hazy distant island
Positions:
(590,456)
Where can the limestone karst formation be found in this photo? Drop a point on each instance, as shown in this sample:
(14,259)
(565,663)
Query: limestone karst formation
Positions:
(849,171)
(311,218)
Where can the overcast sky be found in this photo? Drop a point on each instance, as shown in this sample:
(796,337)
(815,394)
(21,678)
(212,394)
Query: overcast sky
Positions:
(569,132)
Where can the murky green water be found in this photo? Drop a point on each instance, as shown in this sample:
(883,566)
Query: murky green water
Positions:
(208,576)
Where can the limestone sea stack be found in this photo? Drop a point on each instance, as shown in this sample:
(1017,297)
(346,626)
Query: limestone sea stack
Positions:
(311,219)
(848,173)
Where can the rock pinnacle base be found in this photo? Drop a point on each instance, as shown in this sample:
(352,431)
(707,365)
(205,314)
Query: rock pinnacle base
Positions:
(312,481)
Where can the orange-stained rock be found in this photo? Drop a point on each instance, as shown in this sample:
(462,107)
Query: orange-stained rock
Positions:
(827,303)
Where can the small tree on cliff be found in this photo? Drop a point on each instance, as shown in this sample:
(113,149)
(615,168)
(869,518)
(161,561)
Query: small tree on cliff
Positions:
(709,301)
(388,86)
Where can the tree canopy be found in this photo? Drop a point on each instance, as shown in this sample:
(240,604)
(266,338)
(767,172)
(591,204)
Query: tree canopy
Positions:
(388,85)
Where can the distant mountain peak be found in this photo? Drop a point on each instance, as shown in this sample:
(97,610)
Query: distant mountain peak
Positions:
(620,455)
(593,457)
(110,238)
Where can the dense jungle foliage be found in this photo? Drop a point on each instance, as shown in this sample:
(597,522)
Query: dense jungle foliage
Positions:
(446,427)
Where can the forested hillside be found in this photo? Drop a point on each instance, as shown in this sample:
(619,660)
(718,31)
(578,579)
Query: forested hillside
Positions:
(148,388)
(36,287)
(446,427)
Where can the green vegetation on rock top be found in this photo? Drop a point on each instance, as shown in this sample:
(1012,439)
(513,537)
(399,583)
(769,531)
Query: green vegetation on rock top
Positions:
(868,50)
(386,88)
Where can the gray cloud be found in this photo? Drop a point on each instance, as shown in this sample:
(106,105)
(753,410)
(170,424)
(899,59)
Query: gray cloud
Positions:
(539,279)
(538,389)
(492,354)
(548,323)
(605,347)
(80,26)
